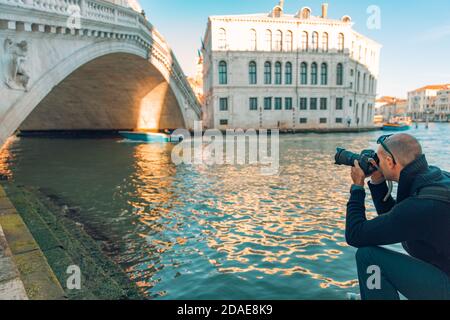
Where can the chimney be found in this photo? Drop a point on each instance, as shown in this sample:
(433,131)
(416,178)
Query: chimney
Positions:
(324,10)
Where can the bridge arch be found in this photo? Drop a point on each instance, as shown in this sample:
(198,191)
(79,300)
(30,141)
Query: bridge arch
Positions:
(110,70)
(102,86)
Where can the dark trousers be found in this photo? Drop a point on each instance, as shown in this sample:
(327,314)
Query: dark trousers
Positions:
(399,273)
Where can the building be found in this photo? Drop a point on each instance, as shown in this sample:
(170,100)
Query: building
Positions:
(383,101)
(442,112)
(196,82)
(389,107)
(423,101)
(288,71)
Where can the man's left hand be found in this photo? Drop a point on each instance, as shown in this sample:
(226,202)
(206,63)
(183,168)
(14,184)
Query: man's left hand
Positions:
(358,175)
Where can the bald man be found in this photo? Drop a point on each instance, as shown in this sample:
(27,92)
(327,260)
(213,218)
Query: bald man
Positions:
(419,218)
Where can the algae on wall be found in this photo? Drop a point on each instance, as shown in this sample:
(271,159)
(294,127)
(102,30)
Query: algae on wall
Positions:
(65,243)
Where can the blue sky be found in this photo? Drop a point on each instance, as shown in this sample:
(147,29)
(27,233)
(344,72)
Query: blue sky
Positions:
(415,34)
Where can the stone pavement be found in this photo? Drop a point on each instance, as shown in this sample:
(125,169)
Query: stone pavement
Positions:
(11,286)
(24,270)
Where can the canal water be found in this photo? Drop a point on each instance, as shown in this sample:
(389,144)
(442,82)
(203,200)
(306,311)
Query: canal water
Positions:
(214,232)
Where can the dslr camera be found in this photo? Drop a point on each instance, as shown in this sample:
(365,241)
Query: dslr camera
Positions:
(347,158)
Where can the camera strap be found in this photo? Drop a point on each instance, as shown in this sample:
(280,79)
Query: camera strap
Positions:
(439,193)
(390,184)
(390,188)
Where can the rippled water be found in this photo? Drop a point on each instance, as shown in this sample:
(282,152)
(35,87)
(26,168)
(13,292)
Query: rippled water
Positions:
(222,232)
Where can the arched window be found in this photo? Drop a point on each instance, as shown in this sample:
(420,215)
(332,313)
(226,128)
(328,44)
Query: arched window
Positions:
(288,73)
(364,82)
(324,74)
(268,40)
(223,72)
(346,19)
(253,40)
(304,73)
(267,73)
(289,40)
(314,73)
(358,85)
(278,73)
(222,39)
(340,74)
(341,42)
(278,41)
(277,11)
(325,42)
(305,41)
(315,41)
(372,89)
(306,13)
(252,75)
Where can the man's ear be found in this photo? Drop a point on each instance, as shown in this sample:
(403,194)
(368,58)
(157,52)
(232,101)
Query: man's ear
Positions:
(390,162)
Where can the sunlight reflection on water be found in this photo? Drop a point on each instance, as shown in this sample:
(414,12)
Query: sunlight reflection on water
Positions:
(215,232)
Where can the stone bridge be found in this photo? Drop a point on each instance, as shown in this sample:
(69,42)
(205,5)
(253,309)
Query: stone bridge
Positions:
(87,65)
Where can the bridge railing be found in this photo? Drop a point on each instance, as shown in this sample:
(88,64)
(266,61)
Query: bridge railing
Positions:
(113,14)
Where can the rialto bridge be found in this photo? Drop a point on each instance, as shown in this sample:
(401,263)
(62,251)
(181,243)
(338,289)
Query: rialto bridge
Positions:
(87,65)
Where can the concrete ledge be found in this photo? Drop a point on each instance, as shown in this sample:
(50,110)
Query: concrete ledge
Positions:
(64,242)
(39,280)
(19,238)
(24,270)
(12,290)
(11,286)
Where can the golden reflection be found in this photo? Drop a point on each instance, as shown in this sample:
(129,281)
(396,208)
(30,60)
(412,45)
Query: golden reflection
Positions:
(151,198)
(6,156)
(279,232)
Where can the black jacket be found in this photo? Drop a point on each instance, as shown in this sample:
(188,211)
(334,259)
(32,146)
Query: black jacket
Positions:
(421,225)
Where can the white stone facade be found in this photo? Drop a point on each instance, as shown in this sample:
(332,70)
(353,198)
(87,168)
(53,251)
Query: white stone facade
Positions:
(442,112)
(320,98)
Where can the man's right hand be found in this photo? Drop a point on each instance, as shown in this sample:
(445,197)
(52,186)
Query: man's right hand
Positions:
(377,177)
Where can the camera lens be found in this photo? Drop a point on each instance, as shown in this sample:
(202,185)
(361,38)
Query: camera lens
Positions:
(345,158)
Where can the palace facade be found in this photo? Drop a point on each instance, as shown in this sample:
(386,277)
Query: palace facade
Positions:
(291,72)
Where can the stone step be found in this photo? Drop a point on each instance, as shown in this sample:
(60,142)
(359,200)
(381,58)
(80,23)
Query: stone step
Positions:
(11,286)
(65,243)
(32,271)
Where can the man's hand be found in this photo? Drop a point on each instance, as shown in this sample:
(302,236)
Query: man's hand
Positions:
(377,177)
(358,175)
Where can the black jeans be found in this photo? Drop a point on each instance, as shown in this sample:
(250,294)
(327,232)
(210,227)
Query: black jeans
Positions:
(413,278)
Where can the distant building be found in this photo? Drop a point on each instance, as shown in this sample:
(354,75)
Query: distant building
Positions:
(423,100)
(288,71)
(442,109)
(389,107)
(383,101)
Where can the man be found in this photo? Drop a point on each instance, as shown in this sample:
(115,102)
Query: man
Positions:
(419,218)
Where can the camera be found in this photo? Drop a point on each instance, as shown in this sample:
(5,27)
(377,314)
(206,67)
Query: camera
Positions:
(347,158)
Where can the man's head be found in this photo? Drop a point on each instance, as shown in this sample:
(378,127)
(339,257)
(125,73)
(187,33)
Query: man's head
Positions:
(396,152)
